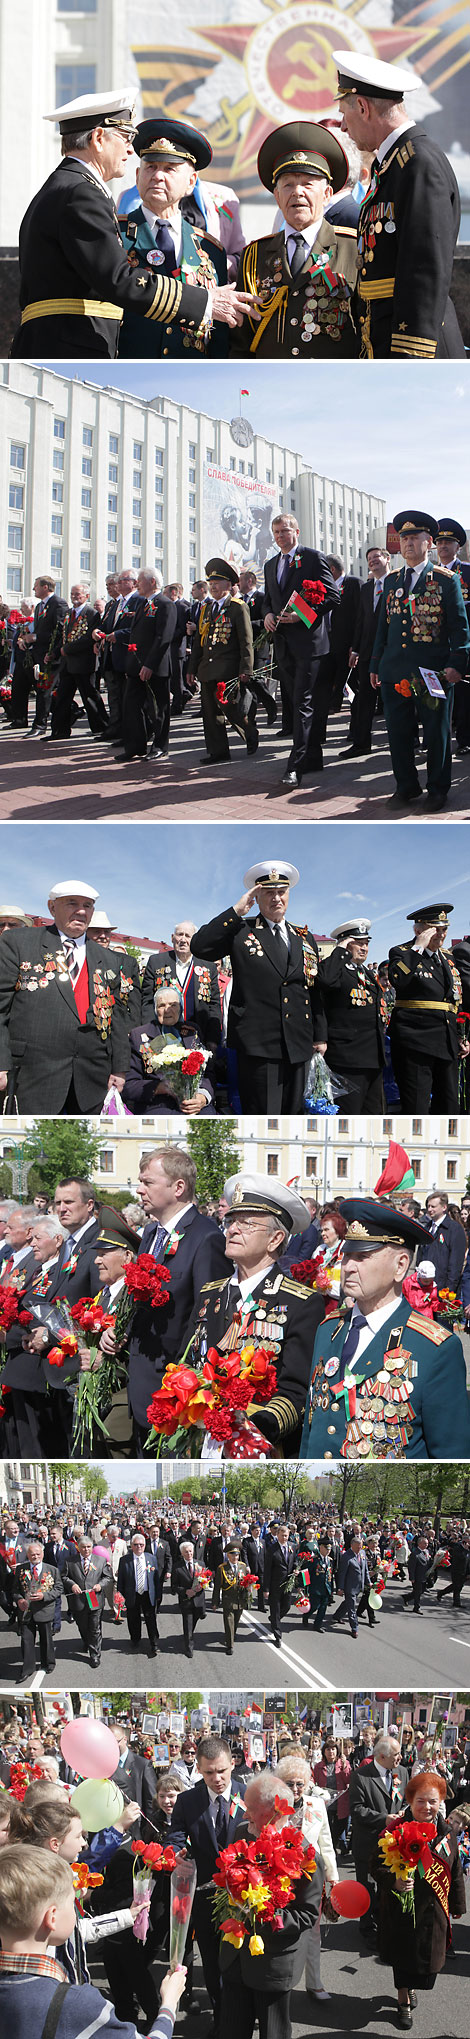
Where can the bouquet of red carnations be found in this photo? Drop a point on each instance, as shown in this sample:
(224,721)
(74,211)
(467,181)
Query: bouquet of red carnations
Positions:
(214,1400)
(21,1775)
(255,1882)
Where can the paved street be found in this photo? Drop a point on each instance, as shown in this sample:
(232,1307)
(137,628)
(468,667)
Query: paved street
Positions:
(79,780)
(405,1650)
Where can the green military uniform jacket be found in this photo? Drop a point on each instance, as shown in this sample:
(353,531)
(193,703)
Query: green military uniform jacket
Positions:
(428,629)
(227,1588)
(284,1315)
(407,231)
(223,644)
(203,261)
(308,315)
(409,1398)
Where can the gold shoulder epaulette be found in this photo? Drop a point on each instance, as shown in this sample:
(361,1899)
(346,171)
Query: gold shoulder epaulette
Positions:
(436,1332)
(295,1288)
(340,229)
(443,573)
(221,1284)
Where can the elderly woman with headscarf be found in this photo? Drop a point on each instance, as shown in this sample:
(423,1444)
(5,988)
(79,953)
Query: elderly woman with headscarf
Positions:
(311,1816)
(414,1939)
(154,1084)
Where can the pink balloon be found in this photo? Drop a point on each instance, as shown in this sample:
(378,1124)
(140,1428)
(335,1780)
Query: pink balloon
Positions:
(100,1551)
(90,1747)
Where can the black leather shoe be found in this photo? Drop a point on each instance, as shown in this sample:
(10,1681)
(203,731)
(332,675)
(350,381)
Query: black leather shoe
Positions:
(271,714)
(215,761)
(356,750)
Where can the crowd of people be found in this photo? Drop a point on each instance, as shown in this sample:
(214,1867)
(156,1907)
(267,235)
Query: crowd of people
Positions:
(248,1012)
(199,1794)
(132,1563)
(93,1306)
(304,637)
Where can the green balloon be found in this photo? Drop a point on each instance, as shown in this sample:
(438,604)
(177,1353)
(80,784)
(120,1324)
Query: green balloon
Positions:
(98,1802)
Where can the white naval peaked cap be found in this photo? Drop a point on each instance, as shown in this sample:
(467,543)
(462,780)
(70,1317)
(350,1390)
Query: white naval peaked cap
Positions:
(349,928)
(264,1195)
(271,871)
(72,888)
(388,80)
(100,108)
(100,919)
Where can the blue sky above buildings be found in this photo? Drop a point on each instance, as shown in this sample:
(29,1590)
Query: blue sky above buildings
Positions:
(405,437)
(150,874)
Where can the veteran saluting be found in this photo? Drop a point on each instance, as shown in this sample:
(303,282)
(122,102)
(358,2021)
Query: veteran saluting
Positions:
(75,277)
(274,966)
(430,990)
(386,1382)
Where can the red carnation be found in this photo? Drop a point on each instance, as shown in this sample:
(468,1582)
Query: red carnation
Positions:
(219,1426)
(193,1063)
(8,1306)
(315,590)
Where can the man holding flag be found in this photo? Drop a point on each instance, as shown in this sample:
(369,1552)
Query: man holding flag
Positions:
(299,593)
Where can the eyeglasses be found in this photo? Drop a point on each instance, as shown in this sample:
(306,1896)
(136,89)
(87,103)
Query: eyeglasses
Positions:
(248,1224)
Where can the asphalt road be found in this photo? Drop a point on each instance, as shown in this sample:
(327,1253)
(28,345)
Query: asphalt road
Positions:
(362,1995)
(405,1650)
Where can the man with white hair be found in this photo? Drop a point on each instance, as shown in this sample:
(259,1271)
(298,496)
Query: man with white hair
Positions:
(146,702)
(376,1789)
(31,1428)
(77,669)
(61,1054)
(259,1988)
(198,984)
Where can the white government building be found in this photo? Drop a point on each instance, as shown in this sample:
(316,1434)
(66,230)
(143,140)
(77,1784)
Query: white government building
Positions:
(323,1156)
(97,478)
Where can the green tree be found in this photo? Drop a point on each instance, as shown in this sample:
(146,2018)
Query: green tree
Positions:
(95,1487)
(62,1147)
(212,1144)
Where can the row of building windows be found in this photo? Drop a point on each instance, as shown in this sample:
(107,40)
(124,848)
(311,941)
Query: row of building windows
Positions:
(387,1127)
(344,1164)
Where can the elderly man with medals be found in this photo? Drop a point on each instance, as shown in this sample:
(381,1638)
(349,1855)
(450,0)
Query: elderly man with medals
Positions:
(386,1382)
(302,276)
(451,535)
(354,1012)
(429,992)
(222,658)
(229,1592)
(419,655)
(274,963)
(409,219)
(259,1304)
(157,237)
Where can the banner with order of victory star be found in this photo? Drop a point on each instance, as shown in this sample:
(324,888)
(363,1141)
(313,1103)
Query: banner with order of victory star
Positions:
(237,71)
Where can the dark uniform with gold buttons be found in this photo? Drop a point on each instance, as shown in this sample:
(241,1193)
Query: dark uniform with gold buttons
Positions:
(426,627)
(424,1035)
(201,259)
(222,657)
(451,533)
(407,1395)
(75,279)
(407,231)
(272,1005)
(306,314)
(351,1018)
(279,1314)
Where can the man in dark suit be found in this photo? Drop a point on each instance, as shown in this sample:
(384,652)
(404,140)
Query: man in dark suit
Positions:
(45,645)
(208,1816)
(116,627)
(77,669)
(32,1426)
(299,648)
(146,703)
(76,1273)
(335,666)
(85,1579)
(253,1549)
(376,1789)
(57,1552)
(446,1244)
(174,593)
(274,969)
(141,1583)
(450,537)
(36,1588)
(280,1563)
(191,1596)
(195,1250)
(364,705)
(260,1988)
(198,984)
(61,1054)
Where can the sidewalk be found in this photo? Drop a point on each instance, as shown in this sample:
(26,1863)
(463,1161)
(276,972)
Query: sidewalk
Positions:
(78,780)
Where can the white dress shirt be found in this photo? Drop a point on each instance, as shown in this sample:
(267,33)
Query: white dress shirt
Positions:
(308,234)
(173,222)
(392,138)
(282,559)
(368,1331)
(247,1285)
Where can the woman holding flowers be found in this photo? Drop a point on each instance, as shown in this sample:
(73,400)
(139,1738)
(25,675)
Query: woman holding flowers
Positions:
(421,1886)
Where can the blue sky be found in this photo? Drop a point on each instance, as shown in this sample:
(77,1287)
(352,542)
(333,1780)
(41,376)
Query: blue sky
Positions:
(151,873)
(136,1478)
(404,435)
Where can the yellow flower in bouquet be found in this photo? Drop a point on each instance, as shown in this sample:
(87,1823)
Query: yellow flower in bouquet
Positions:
(256,1944)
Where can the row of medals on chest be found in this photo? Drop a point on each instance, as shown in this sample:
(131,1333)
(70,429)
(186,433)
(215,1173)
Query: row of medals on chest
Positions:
(382,1404)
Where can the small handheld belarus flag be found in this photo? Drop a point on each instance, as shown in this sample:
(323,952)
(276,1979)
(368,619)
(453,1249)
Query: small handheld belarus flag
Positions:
(302,609)
(92,1598)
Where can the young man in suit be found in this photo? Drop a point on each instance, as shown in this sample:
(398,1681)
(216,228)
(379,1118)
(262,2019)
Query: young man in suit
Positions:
(335,666)
(280,1564)
(61,1054)
(208,1816)
(194,1248)
(299,650)
(140,1581)
(85,1579)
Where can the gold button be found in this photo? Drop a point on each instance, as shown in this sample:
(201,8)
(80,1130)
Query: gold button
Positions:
(334,1408)
(327,1454)
(295,350)
(168,329)
(165,350)
(331,1430)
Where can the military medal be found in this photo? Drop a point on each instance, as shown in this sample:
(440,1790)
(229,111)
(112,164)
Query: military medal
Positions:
(331,1365)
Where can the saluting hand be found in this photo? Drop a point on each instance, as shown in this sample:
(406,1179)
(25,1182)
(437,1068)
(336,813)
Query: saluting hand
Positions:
(243,905)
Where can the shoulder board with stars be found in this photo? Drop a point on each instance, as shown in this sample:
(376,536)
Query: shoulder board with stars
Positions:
(443,573)
(296,1288)
(339,230)
(436,1332)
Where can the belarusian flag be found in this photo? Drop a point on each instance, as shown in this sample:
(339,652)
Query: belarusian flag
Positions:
(244,392)
(398,1172)
(92,1598)
(302,609)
